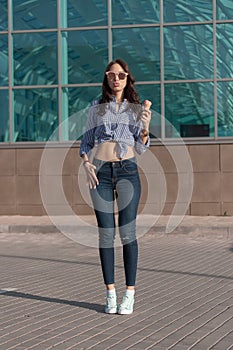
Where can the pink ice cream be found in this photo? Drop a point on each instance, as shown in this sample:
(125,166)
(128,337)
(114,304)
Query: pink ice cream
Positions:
(147,105)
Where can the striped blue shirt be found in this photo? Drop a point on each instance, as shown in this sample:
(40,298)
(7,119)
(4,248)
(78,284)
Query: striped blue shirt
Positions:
(105,124)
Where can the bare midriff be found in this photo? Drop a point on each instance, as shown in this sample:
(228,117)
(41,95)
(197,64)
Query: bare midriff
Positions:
(107,151)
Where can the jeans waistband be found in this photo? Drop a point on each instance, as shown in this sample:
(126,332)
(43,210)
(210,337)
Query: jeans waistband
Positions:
(118,163)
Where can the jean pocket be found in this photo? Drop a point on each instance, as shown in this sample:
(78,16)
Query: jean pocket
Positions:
(130,167)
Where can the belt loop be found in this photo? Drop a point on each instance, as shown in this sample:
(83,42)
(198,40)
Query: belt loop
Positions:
(121,162)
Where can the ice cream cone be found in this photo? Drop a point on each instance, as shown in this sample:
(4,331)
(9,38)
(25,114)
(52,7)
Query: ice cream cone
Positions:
(147,105)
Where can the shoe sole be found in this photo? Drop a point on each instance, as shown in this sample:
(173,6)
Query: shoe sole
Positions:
(125,312)
(111,311)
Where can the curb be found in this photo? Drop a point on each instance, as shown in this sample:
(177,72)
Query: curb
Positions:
(196,230)
(28,228)
(224,231)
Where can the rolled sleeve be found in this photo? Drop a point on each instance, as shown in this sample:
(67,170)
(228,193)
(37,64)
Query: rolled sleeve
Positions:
(140,147)
(88,140)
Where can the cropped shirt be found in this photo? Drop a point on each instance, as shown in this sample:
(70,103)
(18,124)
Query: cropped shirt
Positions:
(120,126)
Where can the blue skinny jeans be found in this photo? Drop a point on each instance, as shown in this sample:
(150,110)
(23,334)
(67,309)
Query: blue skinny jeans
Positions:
(119,183)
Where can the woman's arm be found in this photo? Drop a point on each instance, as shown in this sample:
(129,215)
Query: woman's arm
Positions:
(141,136)
(92,180)
(145,119)
(87,143)
(88,140)
(144,136)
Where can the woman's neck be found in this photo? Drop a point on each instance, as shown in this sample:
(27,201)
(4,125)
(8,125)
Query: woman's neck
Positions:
(119,98)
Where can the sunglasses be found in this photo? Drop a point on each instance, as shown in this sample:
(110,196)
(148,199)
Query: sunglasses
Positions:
(112,75)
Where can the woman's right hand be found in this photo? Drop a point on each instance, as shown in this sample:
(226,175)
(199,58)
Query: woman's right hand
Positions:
(92,180)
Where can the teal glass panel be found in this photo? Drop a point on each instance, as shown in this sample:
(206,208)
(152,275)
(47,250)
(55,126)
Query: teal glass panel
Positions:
(35,59)
(225,108)
(76,102)
(4,15)
(224,9)
(83,13)
(152,93)
(187,11)
(4,116)
(189,110)
(188,52)
(35,115)
(3,60)
(224,50)
(139,47)
(135,12)
(34,14)
(87,56)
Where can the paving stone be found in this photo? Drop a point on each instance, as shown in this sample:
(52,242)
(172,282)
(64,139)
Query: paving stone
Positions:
(52,295)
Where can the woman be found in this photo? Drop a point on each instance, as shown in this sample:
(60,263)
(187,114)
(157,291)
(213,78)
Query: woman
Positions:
(121,125)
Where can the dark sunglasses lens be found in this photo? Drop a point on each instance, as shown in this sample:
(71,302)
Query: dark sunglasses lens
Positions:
(111,75)
(122,76)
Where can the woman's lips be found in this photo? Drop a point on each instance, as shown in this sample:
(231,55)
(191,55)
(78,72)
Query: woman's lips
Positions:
(116,84)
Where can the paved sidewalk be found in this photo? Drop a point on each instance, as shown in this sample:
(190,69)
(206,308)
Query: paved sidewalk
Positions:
(52,295)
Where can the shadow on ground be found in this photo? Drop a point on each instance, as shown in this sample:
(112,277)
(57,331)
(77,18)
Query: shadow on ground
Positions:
(85,305)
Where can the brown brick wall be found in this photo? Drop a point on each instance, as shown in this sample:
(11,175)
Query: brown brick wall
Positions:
(212,174)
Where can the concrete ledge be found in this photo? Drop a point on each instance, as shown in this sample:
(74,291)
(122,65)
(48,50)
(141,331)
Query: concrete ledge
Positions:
(226,232)
(196,225)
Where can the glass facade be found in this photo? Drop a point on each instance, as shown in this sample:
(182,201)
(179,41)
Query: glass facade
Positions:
(35,59)
(53,55)
(35,114)
(191,54)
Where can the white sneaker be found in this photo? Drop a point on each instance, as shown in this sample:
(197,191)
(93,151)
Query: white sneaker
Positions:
(111,304)
(126,307)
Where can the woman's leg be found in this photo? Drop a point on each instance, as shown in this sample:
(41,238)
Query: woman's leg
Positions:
(128,201)
(130,256)
(103,201)
(127,228)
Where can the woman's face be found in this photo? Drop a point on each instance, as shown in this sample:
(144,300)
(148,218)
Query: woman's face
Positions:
(115,82)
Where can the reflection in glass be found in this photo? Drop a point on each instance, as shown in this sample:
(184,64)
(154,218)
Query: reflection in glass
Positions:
(131,12)
(87,56)
(35,114)
(225,50)
(187,11)
(224,9)
(3,60)
(225,108)
(189,108)
(4,15)
(35,59)
(83,13)
(188,52)
(4,116)
(34,14)
(140,48)
(76,102)
(152,93)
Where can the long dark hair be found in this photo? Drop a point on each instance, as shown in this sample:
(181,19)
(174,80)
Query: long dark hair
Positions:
(129,92)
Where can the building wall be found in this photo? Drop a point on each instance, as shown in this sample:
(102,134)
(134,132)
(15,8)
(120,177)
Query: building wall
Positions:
(212,191)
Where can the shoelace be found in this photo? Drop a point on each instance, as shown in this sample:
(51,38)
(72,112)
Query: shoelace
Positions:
(111,301)
(126,301)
